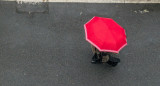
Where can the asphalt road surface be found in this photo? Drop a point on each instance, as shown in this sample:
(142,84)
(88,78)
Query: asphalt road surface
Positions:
(49,48)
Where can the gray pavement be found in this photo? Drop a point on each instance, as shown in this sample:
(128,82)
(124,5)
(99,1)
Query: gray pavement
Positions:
(49,49)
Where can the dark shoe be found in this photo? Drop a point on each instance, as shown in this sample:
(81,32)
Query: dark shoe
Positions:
(95,59)
(113,61)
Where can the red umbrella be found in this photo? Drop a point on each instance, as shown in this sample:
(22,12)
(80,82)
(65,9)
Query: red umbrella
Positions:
(105,34)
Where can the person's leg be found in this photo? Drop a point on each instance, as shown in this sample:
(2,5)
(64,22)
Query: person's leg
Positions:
(105,58)
(95,58)
(113,61)
(93,49)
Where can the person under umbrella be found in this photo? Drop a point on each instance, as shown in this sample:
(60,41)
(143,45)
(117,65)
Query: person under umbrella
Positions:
(107,38)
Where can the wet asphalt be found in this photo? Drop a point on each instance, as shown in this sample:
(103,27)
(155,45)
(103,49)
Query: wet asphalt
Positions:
(49,48)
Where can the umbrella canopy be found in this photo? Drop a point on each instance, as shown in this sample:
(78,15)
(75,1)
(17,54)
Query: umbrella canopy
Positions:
(105,34)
